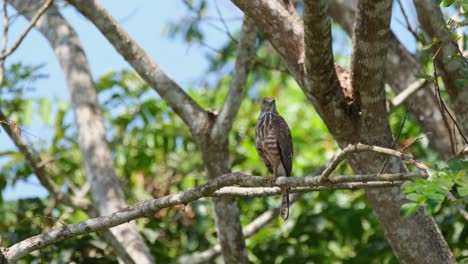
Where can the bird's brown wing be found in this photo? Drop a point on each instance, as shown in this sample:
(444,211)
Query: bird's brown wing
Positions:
(259,148)
(285,143)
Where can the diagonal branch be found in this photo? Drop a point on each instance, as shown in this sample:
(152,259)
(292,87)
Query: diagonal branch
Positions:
(343,154)
(34,162)
(245,55)
(149,207)
(192,114)
(32,22)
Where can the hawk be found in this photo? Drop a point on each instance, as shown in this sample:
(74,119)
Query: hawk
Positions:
(274,145)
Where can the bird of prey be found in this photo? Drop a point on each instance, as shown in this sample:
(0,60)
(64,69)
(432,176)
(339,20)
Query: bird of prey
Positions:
(274,145)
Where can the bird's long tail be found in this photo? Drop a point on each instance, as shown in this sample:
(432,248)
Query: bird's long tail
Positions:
(284,211)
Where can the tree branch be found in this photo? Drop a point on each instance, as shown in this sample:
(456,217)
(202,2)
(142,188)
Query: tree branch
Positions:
(192,114)
(248,231)
(408,92)
(447,57)
(276,21)
(32,22)
(318,52)
(6,26)
(149,207)
(245,55)
(361,148)
(45,178)
(370,42)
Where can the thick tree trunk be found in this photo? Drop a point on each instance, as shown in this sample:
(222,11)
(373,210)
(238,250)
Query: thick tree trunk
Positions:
(226,209)
(105,187)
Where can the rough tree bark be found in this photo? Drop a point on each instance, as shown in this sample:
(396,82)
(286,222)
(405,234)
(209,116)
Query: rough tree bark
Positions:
(356,113)
(400,72)
(105,187)
(215,151)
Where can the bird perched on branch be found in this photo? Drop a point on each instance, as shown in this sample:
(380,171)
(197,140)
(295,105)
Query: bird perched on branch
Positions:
(275,147)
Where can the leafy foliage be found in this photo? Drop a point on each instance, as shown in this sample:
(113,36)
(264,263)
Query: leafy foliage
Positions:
(431,193)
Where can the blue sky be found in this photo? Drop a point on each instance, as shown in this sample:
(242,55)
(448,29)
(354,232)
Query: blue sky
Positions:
(145,21)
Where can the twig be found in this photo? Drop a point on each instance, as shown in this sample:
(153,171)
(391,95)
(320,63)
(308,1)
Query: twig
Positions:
(361,148)
(405,94)
(28,28)
(226,28)
(408,26)
(459,207)
(397,137)
(245,54)
(443,106)
(412,142)
(6,26)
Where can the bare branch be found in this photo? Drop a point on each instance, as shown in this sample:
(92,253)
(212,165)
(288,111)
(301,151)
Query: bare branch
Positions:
(6,26)
(408,92)
(210,188)
(259,191)
(32,22)
(245,55)
(460,207)
(33,161)
(192,114)
(361,148)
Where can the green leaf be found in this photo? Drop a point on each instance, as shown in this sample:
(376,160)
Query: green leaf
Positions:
(440,188)
(409,187)
(408,208)
(447,3)
(435,196)
(464,5)
(45,108)
(463,191)
(461,83)
(25,116)
(416,197)
(432,207)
